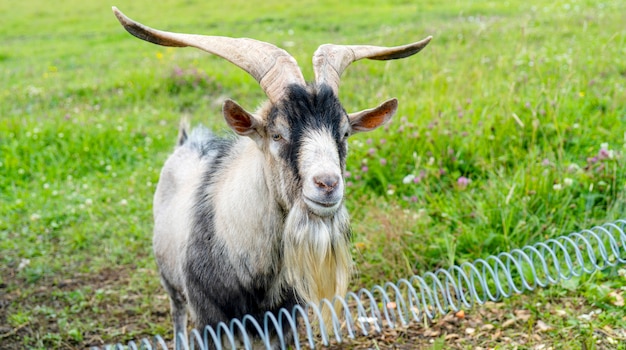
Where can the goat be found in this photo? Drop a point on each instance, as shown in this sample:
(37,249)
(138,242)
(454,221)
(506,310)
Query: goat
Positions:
(256,222)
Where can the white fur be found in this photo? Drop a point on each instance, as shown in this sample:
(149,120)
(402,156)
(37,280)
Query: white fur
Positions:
(173,201)
(244,211)
(319,157)
(316,254)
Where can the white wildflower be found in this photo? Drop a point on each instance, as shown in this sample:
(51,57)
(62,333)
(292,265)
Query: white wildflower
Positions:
(33,91)
(408,179)
(23,264)
(573,167)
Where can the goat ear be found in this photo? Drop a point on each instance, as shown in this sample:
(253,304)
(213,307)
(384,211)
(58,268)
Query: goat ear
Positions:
(370,119)
(238,119)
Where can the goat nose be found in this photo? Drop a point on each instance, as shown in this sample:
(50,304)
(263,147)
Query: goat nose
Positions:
(326,182)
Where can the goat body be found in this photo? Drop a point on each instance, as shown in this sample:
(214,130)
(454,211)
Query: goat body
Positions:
(216,240)
(256,222)
(233,211)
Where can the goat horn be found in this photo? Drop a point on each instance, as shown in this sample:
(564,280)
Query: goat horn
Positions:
(329,60)
(271,66)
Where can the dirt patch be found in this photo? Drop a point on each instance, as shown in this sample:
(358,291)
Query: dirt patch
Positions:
(78,311)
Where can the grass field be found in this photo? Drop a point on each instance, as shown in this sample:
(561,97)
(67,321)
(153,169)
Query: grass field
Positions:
(511,130)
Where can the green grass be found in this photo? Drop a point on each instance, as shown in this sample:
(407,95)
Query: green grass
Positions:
(526,100)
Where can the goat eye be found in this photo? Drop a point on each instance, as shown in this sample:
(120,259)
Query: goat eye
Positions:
(276,137)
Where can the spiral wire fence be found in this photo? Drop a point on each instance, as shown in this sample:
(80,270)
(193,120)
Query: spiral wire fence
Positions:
(418,297)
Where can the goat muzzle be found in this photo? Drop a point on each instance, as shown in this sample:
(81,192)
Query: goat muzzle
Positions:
(324,194)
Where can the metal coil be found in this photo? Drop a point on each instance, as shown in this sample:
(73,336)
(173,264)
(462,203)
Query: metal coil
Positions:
(418,297)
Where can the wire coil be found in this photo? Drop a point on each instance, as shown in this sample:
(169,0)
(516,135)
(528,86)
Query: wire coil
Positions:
(418,297)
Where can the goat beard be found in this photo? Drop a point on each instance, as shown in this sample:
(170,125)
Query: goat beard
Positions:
(316,254)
